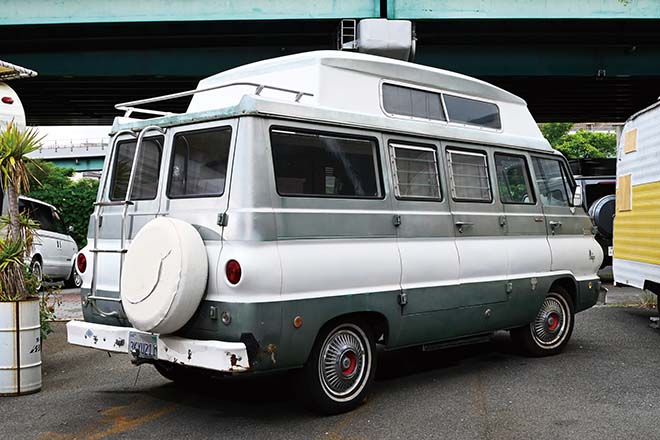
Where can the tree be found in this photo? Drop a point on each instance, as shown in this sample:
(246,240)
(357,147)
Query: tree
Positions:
(15,145)
(73,198)
(588,145)
(580,145)
(555,131)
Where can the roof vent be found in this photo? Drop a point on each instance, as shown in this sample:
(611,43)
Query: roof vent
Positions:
(378,36)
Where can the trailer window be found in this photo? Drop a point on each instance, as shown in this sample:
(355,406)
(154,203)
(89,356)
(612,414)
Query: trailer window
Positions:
(471,111)
(551,179)
(199,163)
(405,101)
(145,186)
(468,174)
(415,172)
(315,164)
(513,179)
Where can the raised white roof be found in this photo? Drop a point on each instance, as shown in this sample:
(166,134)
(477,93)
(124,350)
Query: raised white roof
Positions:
(343,87)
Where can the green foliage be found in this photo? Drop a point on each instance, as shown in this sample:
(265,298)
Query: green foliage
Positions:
(555,131)
(74,199)
(580,145)
(587,144)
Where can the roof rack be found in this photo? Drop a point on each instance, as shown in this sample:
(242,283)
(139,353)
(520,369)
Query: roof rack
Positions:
(132,106)
(12,71)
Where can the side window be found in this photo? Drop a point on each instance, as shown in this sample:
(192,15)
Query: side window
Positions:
(145,186)
(471,111)
(468,176)
(513,179)
(406,101)
(44,216)
(553,184)
(199,163)
(58,224)
(415,172)
(314,164)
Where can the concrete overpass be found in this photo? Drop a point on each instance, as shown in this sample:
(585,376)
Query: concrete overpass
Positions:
(596,60)
(79,154)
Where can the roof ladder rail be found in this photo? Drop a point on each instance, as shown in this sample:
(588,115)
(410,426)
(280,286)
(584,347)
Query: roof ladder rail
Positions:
(132,106)
(97,215)
(347,38)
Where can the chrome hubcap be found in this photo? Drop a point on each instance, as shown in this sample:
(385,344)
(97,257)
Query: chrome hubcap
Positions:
(343,363)
(549,327)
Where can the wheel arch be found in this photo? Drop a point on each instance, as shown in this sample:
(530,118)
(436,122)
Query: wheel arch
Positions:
(376,321)
(569,285)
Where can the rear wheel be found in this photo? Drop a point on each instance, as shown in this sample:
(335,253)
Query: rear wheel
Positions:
(551,330)
(74,280)
(341,367)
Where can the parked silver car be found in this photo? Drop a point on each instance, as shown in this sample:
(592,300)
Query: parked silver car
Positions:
(53,251)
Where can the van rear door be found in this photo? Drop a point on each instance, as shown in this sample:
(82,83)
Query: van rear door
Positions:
(143,207)
(196,189)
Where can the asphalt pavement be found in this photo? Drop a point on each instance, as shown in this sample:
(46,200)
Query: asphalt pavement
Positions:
(604,386)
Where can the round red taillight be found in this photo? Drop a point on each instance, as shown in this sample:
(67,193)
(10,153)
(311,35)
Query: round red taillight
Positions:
(233,271)
(7,100)
(81,262)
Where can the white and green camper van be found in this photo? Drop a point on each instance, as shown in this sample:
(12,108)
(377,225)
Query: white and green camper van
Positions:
(309,207)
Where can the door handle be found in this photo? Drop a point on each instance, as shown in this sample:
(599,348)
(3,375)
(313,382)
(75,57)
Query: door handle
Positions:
(554,224)
(461,225)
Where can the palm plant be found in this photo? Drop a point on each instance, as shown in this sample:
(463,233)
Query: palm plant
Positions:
(15,145)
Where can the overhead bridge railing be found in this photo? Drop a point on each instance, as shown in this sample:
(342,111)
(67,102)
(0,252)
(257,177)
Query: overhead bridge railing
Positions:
(132,106)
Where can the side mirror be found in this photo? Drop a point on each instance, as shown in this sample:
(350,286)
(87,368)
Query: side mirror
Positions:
(70,228)
(577,196)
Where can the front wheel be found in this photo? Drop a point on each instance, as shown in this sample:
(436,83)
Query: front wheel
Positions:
(37,273)
(341,367)
(550,331)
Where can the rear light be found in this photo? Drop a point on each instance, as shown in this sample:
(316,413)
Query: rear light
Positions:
(7,100)
(233,271)
(81,262)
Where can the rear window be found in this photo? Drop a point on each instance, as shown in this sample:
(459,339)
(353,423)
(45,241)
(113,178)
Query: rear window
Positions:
(199,163)
(145,186)
(325,165)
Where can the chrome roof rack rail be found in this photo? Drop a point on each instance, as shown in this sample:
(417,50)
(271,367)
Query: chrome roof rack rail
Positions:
(132,106)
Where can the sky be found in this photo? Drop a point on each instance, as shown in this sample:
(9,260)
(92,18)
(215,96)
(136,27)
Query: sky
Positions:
(65,135)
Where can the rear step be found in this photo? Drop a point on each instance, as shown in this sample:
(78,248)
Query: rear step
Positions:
(479,339)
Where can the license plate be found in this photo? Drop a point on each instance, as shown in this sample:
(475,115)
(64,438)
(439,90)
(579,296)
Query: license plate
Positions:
(143,345)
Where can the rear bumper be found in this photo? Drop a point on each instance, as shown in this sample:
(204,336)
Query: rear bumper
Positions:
(230,357)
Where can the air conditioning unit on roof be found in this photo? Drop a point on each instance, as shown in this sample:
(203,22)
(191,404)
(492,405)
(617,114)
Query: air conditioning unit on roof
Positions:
(378,36)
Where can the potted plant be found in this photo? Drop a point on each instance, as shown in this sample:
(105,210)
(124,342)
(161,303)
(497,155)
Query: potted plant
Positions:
(20,306)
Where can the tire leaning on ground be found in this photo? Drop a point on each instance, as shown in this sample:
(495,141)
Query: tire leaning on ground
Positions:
(341,367)
(552,327)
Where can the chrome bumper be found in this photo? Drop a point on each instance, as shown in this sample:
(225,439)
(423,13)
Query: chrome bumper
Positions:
(230,357)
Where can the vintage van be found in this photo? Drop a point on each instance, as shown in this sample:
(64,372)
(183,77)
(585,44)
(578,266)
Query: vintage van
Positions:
(309,207)
(636,247)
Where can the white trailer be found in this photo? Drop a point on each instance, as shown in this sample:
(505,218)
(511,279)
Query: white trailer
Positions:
(636,259)
(11,108)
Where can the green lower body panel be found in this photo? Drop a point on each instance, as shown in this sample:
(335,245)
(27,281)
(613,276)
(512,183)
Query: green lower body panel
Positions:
(440,314)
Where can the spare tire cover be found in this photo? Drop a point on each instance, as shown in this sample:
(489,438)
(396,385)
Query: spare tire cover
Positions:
(164,276)
(602,213)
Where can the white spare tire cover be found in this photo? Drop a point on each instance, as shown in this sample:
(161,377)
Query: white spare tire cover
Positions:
(164,276)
